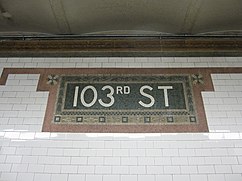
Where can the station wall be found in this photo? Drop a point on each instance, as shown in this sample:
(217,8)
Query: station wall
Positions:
(29,154)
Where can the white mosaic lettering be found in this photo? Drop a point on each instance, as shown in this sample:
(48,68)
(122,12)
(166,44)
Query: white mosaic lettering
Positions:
(152,100)
(126,90)
(119,89)
(94,96)
(75,96)
(165,88)
(110,95)
(122,90)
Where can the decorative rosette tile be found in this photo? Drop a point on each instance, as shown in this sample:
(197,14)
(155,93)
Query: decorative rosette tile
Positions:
(197,79)
(52,79)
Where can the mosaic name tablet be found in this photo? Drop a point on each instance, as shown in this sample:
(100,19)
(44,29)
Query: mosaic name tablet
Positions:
(125,99)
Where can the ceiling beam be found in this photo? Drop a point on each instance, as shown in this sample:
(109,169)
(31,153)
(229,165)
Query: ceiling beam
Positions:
(190,18)
(60,16)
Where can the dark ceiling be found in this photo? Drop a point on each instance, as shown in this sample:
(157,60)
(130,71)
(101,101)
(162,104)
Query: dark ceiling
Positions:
(105,17)
(120,28)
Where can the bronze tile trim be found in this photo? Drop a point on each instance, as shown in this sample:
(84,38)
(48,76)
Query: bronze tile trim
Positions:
(103,47)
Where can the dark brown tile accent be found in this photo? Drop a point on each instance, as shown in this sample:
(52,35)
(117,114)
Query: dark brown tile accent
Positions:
(124,46)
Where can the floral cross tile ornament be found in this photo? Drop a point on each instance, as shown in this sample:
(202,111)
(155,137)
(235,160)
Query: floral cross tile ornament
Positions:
(197,79)
(52,79)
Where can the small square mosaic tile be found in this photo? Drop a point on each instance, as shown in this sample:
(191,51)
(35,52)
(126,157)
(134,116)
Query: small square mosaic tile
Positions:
(193,119)
(102,119)
(79,119)
(57,119)
(170,119)
(125,119)
(147,119)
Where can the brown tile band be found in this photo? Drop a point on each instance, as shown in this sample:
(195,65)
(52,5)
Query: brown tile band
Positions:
(50,126)
(124,46)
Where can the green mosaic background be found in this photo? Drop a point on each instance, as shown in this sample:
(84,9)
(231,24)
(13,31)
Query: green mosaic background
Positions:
(126,109)
(127,101)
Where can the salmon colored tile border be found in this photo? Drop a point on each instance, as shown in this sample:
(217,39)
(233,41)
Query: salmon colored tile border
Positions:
(49,126)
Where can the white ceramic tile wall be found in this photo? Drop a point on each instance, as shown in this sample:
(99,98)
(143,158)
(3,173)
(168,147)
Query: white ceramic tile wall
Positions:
(28,154)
